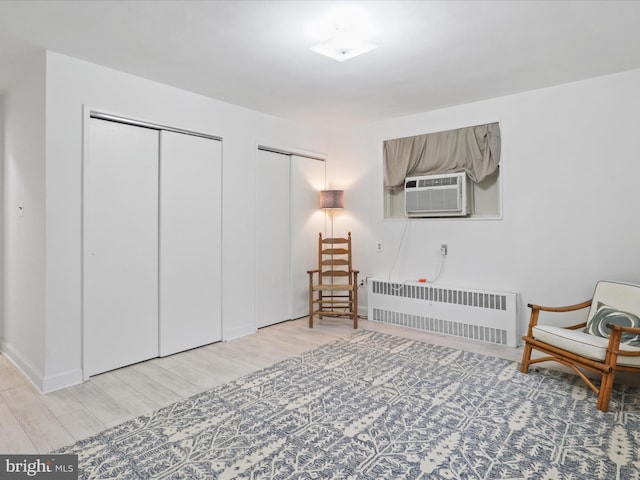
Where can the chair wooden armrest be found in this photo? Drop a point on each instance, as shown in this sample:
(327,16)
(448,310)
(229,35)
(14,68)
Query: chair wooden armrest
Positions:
(621,329)
(568,308)
(311,272)
(616,337)
(536,309)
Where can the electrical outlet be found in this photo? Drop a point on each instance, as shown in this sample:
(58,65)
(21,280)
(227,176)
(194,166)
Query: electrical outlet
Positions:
(444,249)
(378,246)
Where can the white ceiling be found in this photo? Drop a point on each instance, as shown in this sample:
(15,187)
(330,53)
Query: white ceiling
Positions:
(256,54)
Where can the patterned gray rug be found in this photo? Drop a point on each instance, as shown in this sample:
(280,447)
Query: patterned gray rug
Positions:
(375,406)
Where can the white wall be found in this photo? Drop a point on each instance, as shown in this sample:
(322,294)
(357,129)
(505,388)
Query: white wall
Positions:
(23,329)
(570,175)
(2,202)
(55,306)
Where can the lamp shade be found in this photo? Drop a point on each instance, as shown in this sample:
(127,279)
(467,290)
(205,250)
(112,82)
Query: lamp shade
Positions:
(332,199)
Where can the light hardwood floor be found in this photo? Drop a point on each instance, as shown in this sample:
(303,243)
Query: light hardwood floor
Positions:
(35,423)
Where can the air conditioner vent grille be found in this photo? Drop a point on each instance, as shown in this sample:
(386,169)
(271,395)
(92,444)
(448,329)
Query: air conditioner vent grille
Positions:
(437,182)
(441,200)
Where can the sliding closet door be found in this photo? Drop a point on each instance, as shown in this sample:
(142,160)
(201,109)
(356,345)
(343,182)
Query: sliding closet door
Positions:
(190,242)
(120,288)
(272,240)
(287,223)
(307,220)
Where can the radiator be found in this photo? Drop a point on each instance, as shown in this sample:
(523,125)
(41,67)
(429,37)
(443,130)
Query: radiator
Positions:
(474,314)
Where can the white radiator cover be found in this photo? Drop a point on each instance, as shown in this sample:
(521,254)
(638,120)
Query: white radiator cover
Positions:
(469,313)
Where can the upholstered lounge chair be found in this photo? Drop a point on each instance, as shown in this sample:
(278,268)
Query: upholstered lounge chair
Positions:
(608,342)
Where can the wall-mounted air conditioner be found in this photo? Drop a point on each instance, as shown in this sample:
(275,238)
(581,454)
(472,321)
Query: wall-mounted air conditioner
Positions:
(445,195)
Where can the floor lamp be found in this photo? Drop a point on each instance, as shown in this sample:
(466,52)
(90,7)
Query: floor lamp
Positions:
(330,200)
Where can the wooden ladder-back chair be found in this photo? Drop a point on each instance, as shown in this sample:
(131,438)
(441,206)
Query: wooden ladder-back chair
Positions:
(333,286)
(606,343)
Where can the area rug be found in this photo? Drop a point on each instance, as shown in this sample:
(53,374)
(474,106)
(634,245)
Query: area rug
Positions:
(376,406)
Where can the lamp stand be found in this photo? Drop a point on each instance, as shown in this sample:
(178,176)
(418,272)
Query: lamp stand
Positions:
(331,217)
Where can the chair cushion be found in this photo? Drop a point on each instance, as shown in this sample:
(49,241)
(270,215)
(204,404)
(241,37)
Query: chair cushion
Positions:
(575,341)
(597,324)
(581,343)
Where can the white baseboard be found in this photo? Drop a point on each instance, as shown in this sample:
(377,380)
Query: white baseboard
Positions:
(51,383)
(26,368)
(42,383)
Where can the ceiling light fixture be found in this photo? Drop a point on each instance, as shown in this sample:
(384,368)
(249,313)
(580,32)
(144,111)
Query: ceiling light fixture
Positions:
(343,46)
(345,32)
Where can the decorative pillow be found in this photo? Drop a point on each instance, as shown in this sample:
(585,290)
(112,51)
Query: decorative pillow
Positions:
(607,314)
